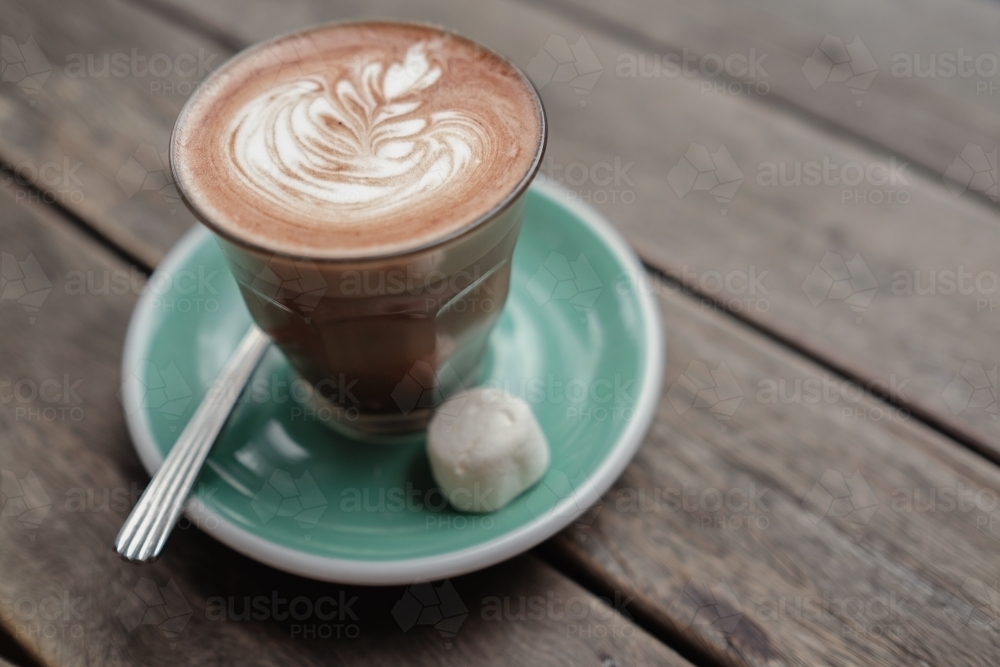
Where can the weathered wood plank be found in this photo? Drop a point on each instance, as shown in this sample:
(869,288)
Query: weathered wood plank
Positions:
(67,597)
(936,85)
(824,526)
(102,117)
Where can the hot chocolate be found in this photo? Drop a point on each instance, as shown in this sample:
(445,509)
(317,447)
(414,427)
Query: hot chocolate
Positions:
(356,140)
(365,181)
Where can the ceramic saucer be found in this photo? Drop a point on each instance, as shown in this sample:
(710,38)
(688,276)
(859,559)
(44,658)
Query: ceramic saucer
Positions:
(580,339)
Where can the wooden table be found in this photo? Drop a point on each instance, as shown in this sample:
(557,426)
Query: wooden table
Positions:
(820,485)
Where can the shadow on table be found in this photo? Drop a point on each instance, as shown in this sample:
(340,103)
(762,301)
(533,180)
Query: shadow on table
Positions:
(213,584)
(12,652)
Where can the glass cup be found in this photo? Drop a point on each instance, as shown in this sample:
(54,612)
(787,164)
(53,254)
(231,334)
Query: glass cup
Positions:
(383,340)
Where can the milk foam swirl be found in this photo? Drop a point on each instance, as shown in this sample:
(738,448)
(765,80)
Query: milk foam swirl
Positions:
(355,146)
(357,141)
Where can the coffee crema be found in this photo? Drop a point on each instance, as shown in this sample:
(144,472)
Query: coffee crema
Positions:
(357,140)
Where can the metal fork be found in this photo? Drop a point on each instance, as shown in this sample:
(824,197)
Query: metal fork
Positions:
(149,525)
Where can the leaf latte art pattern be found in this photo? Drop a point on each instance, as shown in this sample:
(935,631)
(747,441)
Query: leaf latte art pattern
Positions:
(357,141)
(357,147)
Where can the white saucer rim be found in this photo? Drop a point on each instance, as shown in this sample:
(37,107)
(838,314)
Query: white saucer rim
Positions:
(426,568)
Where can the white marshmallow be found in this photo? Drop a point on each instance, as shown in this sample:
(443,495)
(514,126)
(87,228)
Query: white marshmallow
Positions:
(485,448)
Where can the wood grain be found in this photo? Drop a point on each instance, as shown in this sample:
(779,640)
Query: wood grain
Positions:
(67,597)
(102,118)
(922,105)
(770,525)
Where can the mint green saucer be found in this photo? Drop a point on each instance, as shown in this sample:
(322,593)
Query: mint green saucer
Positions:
(580,339)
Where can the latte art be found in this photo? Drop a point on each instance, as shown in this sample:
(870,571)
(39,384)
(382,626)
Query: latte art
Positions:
(357,140)
(361,143)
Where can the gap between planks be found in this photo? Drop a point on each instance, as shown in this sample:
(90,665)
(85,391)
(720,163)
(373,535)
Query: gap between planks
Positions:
(601,24)
(803,349)
(72,219)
